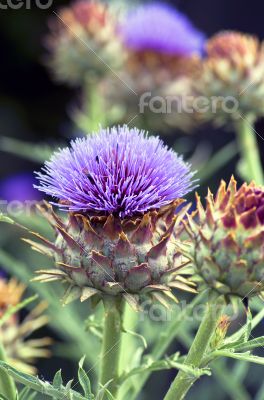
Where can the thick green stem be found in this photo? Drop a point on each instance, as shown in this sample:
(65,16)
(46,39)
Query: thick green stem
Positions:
(250,150)
(111,348)
(166,338)
(7,385)
(183,381)
(129,348)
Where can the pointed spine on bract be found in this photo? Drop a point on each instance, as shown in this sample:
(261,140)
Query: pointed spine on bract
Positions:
(104,255)
(227,240)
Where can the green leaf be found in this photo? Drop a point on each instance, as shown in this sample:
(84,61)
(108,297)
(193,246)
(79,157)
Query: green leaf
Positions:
(14,309)
(84,380)
(250,345)
(240,356)
(57,380)
(174,362)
(38,385)
(30,151)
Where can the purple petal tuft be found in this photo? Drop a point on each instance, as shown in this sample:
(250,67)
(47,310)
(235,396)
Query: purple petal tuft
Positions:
(161,28)
(119,170)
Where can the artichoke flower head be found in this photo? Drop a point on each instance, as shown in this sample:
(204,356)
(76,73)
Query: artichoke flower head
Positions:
(119,190)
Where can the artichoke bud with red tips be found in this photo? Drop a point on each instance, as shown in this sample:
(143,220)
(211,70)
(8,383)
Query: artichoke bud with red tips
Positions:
(227,240)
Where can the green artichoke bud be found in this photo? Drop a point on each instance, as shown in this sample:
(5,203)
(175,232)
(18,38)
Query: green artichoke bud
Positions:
(227,240)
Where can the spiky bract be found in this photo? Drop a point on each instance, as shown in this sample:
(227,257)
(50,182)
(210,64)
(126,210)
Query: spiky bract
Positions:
(106,255)
(227,240)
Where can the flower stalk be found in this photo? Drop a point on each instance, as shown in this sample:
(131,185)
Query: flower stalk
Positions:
(111,348)
(183,381)
(7,385)
(250,151)
(93,116)
(167,337)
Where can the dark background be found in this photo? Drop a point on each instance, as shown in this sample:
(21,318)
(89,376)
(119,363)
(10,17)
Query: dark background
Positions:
(34,108)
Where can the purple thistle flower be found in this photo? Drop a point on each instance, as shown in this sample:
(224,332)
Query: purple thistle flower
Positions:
(118,171)
(163,29)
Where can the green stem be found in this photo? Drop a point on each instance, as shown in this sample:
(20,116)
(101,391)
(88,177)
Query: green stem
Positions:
(129,348)
(7,385)
(93,115)
(249,150)
(182,383)
(111,348)
(166,338)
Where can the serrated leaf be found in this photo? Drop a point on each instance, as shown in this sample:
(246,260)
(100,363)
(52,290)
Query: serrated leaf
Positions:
(84,380)
(43,387)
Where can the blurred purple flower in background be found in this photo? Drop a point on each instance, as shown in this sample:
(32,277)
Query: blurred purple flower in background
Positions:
(161,28)
(19,187)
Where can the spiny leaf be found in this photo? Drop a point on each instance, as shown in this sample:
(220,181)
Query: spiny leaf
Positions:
(43,387)
(84,380)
